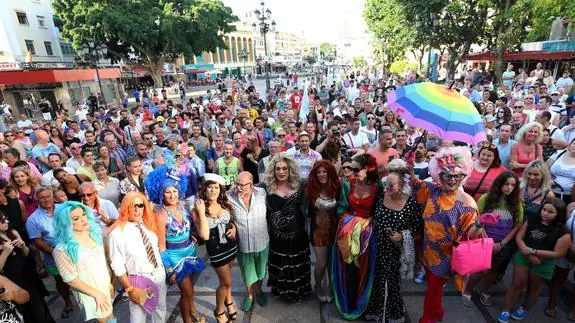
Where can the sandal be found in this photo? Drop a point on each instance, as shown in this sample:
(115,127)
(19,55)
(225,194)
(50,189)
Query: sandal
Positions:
(234,315)
(551,312)
(67,313)
(196,318)
(217,316)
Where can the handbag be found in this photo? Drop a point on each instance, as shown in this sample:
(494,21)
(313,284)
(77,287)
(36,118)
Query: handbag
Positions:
(472,256)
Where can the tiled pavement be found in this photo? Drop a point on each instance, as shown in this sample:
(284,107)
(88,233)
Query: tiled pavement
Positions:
(311,310)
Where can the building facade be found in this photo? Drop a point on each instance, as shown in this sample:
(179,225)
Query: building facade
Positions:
(35,62)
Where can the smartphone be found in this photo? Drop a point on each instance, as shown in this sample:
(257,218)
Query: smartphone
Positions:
(390,158)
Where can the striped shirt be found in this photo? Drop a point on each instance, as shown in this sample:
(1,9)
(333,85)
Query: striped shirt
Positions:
(251,221)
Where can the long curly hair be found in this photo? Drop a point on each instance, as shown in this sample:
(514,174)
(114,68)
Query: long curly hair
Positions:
(222,198)
(128,208)
(31,180)
(293,169)
(313,187)
(64,231)
(159,180)
(494,196)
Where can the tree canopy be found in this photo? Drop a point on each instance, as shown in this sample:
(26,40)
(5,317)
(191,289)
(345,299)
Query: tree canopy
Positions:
(327,52)
(147,32)
(358,61)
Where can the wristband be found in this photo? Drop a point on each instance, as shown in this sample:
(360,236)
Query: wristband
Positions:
(533,252)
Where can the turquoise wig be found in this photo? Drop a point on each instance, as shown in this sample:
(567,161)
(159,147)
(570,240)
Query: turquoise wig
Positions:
(64,232)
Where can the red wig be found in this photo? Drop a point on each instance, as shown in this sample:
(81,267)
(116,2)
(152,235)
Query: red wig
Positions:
(313,187)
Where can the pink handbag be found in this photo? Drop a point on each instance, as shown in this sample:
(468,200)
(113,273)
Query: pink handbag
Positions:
(472,256)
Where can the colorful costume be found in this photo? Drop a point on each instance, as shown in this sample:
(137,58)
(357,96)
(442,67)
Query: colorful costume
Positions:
(180,256)
(353,258)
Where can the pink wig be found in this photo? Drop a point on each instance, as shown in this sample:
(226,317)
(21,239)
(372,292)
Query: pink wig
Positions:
(461,162)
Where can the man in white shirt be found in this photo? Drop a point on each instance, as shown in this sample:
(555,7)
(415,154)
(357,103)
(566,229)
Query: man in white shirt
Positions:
(544,118)
(565,82)
(76,161)
(133,250)
(81,113)
(25,124)
(357,142)
(55,162)
(341,107)
(352,91)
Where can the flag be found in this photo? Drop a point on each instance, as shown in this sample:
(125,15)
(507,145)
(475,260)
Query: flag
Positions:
(304,109)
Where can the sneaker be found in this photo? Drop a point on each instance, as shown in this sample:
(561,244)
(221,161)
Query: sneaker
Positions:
(485,299)
(420,278)
(124,297)
(262,299)
(466,299)
(247,304)
(503,317)
(519,314)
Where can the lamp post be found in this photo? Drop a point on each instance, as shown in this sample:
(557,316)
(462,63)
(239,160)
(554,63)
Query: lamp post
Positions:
(92,52)
(244,57)
(263,15)
(431,22)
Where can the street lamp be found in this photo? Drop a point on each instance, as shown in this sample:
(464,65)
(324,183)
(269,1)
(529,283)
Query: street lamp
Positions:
(244,56)
(263,15)
(431,22)
(92,52)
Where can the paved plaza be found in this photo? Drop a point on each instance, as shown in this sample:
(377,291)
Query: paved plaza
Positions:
(311,310)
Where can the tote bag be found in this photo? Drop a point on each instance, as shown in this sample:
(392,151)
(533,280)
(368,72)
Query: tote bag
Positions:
(472,256)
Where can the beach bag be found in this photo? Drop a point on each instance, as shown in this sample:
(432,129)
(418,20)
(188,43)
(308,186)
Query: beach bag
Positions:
(472,256)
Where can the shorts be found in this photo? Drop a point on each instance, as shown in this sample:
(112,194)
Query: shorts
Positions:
(253,265)
(52,270)
(544,270)
(503,255)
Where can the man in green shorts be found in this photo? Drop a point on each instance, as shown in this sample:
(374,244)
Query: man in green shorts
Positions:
(249,206)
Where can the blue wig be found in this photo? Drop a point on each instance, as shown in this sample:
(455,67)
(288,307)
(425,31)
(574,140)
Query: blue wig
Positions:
(64,232)
(160,179)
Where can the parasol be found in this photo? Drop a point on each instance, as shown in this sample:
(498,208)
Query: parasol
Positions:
(439,110)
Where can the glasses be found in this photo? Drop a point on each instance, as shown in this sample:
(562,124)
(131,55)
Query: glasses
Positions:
(87,195)
(489,146)
(355,170)
(517,107)
(370,118)
(171,122)
(139,205)
(346,167)
(244,185)
(281,136)
(451,177)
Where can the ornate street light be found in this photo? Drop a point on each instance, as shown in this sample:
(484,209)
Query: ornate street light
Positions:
(92,52)
(431,22)
(263,15)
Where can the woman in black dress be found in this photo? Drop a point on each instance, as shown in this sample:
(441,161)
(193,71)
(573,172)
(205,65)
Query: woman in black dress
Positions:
(17,265)
(289,257)
(215,226)
(396,221)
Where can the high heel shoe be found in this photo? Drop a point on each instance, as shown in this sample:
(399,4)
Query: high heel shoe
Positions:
(217,316)
(234,315)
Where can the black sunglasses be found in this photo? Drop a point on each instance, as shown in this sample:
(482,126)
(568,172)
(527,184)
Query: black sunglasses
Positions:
(87,195)
(139,205)
(355,170)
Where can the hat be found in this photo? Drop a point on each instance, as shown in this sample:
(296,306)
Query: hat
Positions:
(160,119)
(215,178)
(303,133)
(171,137)
(555,92)
(490,118)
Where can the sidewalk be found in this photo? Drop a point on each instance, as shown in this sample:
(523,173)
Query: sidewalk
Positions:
(310,310)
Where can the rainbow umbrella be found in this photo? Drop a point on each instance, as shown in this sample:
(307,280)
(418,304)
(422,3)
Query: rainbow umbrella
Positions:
(439,110)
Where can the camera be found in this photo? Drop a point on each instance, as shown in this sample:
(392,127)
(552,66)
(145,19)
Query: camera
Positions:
(335,133)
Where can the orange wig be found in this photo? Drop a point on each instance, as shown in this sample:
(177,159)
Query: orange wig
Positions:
(127,208)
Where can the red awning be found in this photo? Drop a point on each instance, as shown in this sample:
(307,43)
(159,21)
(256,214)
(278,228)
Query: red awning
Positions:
(56,76)
(523,56)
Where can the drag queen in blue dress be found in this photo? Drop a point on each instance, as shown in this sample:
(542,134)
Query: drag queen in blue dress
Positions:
(176,231)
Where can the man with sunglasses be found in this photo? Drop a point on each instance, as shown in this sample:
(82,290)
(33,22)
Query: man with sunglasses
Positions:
(10,140)
(104,210)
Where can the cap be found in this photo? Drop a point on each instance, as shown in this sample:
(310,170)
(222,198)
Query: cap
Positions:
(160,119)
(215,178)
(555,92)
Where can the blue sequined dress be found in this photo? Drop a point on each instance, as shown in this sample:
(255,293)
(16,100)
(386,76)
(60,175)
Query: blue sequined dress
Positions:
(180,256)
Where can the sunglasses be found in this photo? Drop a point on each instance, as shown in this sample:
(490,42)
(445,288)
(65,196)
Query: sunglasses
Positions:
(139,205)
(370,118)
(490,146)
(456,177)
(355,170)
(87,195)
(281,136)
(346,168)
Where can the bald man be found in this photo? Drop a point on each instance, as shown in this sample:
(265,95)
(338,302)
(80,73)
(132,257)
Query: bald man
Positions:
(249,206)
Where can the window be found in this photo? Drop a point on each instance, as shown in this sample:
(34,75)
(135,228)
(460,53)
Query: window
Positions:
(22,18)
(41,22)
(30,46)
(49,50)
(67,49)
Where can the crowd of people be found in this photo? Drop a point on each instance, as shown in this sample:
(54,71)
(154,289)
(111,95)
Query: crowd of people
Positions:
(118,201)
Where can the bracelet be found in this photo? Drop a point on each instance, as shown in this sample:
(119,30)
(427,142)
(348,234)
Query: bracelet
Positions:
(533,252)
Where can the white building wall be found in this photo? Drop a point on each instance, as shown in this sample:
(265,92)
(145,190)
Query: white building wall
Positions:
(13,35)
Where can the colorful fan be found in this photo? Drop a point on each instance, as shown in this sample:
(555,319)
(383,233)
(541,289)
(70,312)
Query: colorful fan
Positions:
(151,289)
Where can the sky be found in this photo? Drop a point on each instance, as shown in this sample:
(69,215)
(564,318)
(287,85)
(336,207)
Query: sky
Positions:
(320,20)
